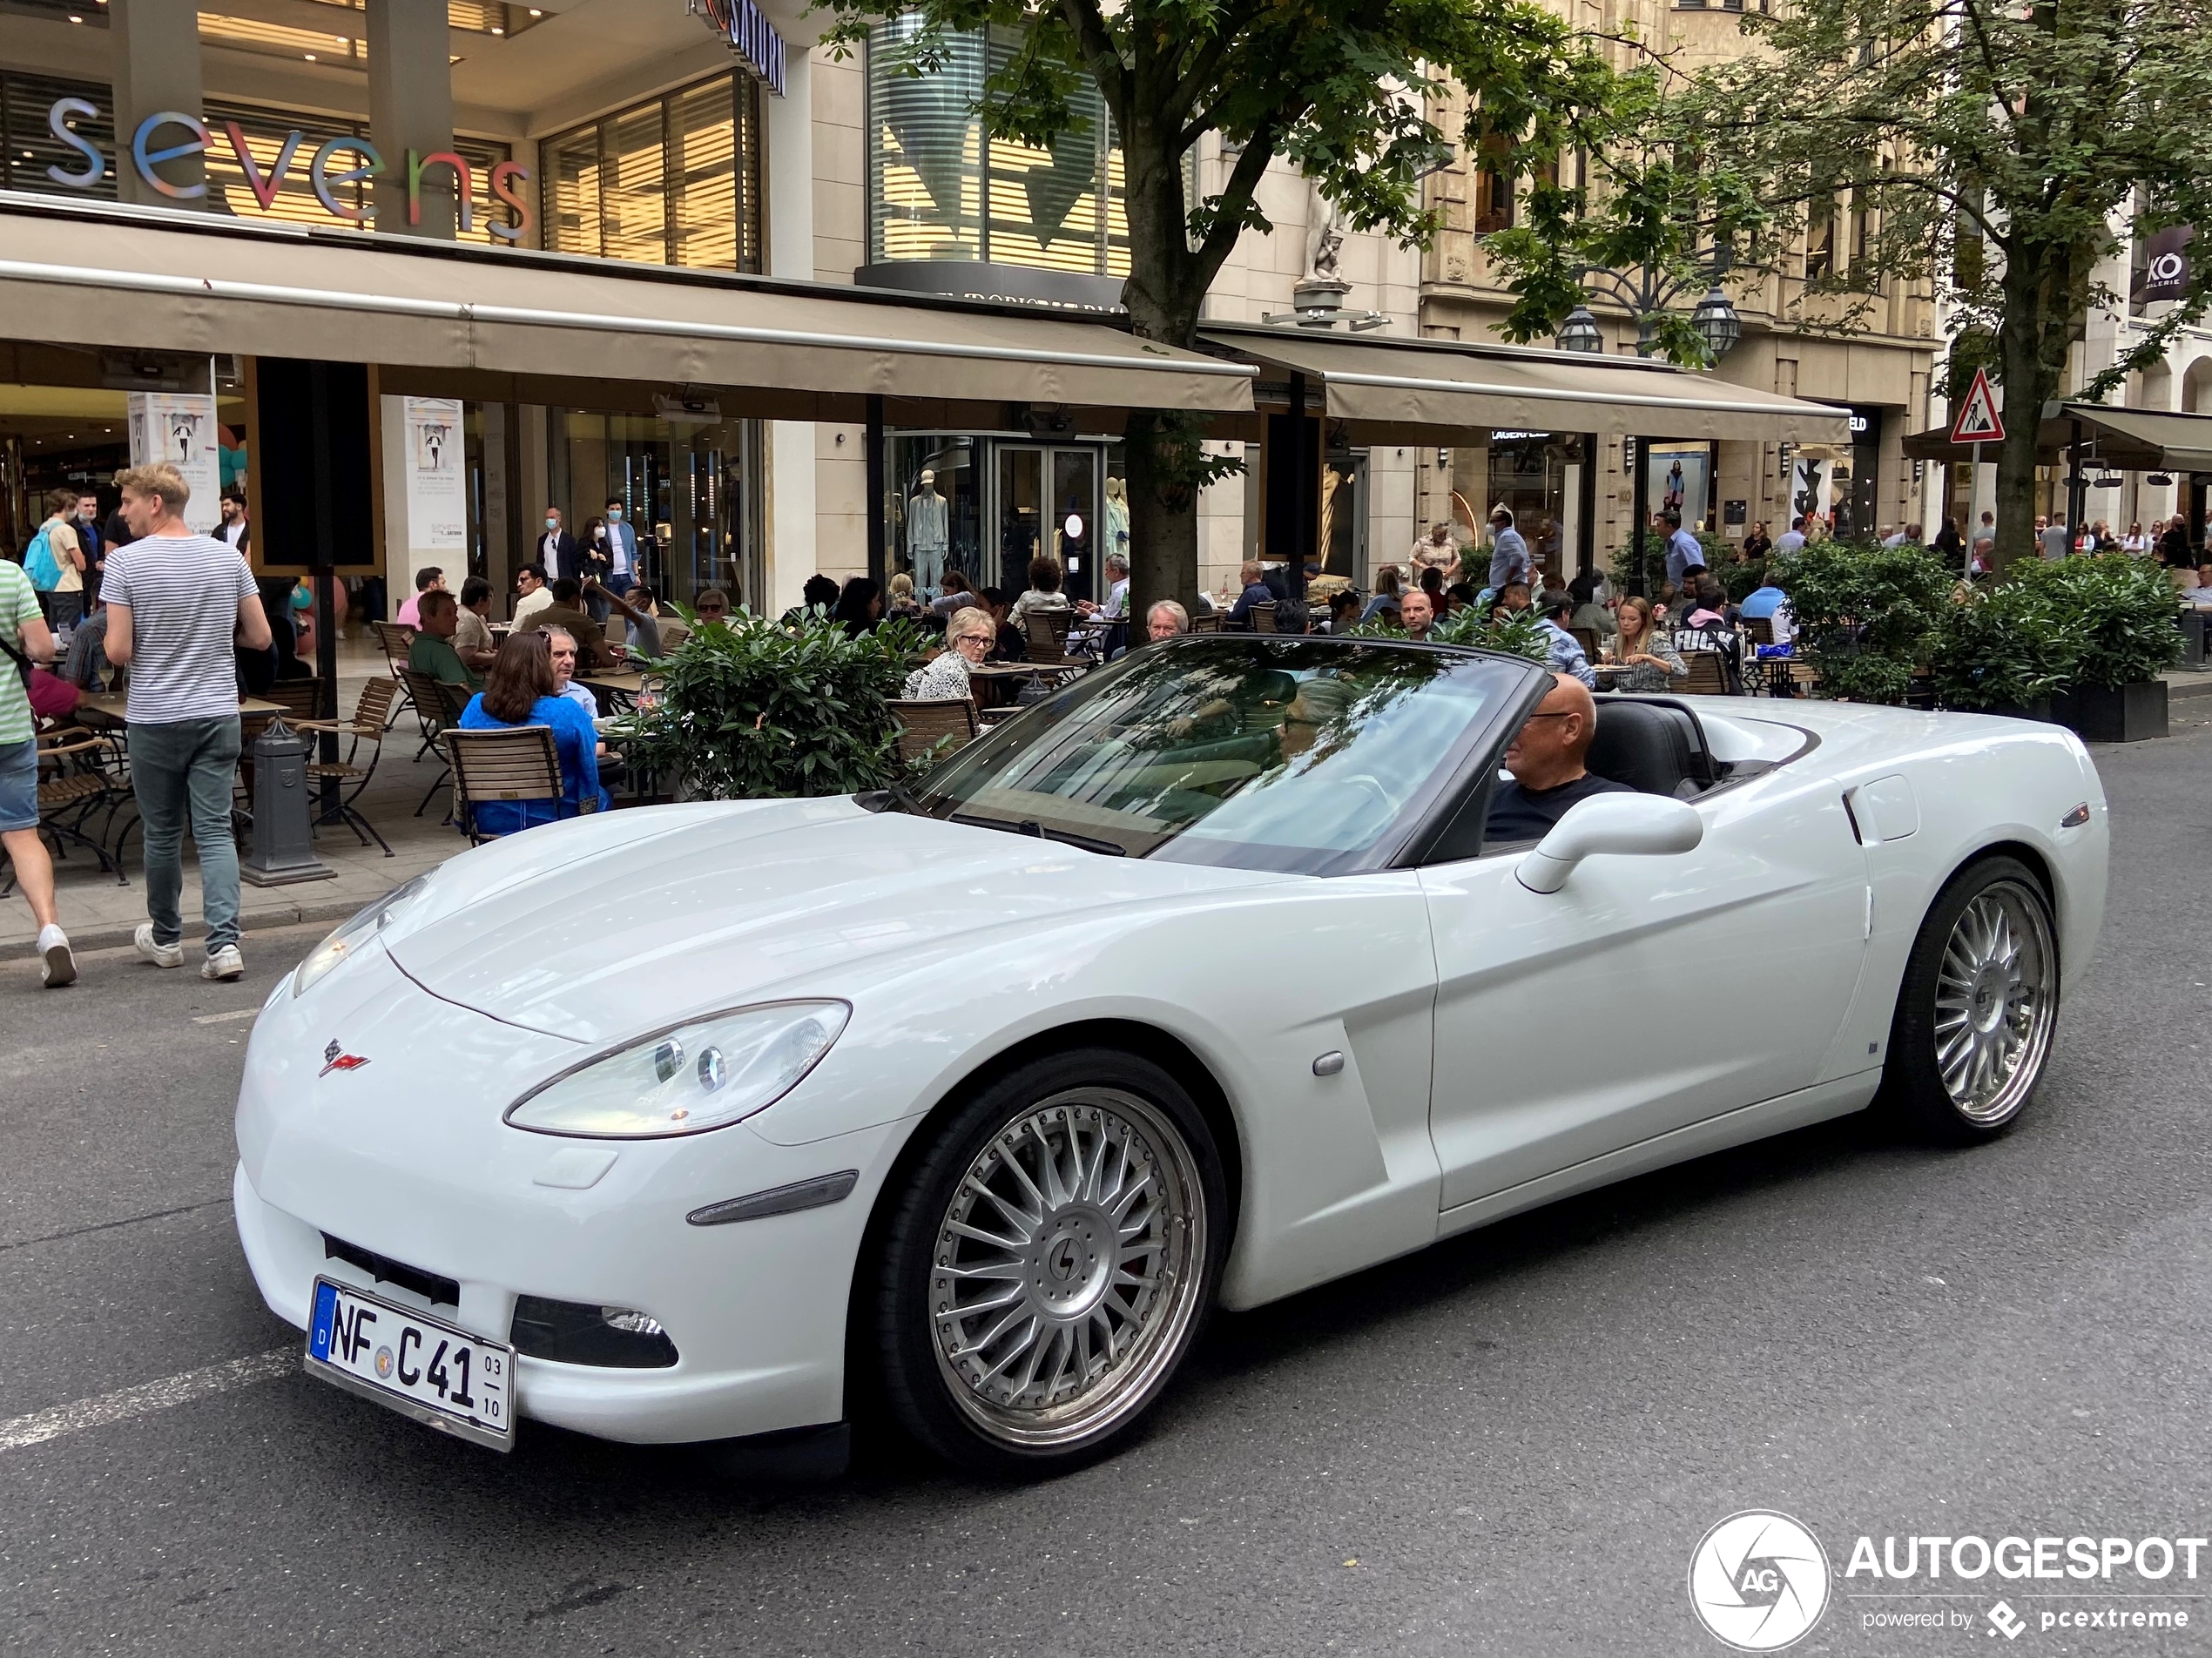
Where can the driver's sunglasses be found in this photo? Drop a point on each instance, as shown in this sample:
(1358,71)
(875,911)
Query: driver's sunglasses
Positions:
(1561,713)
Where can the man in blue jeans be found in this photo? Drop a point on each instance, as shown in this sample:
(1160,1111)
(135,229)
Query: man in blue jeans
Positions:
(177,604)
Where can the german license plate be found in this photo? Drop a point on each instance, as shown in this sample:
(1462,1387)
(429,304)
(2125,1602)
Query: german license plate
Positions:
(457,1383)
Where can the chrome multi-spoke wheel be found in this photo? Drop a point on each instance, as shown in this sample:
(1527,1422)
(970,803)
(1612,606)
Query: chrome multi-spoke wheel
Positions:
(1051,1258)
(1978,1007)
(1994,1002)
(1063,1265)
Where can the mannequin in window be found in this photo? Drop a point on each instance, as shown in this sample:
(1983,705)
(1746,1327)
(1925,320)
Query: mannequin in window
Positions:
(1117,517)
(927,522)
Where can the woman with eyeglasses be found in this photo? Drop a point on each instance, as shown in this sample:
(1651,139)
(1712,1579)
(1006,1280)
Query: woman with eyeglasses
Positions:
(969,638)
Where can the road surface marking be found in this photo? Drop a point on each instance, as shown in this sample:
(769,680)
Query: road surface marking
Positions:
(224,1019)
(147,1398)
(109,1226)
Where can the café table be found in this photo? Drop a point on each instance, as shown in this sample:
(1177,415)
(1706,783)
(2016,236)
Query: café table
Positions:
(616,691)
(1001,680)
(105,709)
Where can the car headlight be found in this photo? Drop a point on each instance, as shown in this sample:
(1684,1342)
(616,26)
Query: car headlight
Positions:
(688,1078)
(355,934)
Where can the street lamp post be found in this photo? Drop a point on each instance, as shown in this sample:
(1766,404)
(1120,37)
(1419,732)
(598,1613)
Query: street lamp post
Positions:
(1646,293)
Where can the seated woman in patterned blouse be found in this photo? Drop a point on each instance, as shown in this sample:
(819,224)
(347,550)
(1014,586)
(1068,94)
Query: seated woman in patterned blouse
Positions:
(1644,648)
(969,638)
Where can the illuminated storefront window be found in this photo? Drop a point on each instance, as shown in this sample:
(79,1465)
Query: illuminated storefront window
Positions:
(938,191)
(673,181)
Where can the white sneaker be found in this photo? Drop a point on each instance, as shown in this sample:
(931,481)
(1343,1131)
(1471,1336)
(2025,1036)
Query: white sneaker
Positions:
(59,966)
(162,955)
(225,963)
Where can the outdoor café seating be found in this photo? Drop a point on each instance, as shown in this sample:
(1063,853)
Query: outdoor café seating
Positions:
(1048,633)
(516,764)
(437,705)
(76,780)
(368,725)
(927,723)
(395,642)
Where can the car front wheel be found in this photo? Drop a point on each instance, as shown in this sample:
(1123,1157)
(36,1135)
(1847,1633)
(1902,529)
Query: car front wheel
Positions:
(1049,1263)
(1978,1006)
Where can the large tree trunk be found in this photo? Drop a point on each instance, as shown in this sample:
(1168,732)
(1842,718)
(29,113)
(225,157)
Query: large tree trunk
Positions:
(2026,384)
(1163,518)
(1161,449)
(2045,290)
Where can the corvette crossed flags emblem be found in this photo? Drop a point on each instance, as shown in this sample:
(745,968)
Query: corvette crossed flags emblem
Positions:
(335,1058)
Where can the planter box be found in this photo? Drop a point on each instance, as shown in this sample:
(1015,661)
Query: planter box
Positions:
(2192,641)
(2039,709)
(2127,715)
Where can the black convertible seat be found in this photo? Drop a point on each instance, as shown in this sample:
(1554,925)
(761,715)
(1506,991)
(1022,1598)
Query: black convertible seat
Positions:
(1653,747)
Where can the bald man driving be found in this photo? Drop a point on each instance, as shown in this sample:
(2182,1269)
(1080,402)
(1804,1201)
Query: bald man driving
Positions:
(1546,759)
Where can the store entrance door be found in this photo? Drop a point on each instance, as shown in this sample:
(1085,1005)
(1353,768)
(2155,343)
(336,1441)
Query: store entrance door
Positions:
(1048,501)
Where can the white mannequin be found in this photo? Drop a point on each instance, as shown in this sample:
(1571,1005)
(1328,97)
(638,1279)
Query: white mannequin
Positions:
(927,526)
(1117,517)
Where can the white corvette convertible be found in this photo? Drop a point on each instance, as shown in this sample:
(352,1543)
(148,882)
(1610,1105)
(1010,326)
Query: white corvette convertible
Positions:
(1196,985)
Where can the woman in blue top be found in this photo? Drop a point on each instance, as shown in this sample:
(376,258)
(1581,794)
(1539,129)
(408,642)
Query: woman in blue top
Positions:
(518,691)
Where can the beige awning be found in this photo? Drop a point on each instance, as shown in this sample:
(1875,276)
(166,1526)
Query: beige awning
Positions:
(1449,387)
(160,281)
(2125,439)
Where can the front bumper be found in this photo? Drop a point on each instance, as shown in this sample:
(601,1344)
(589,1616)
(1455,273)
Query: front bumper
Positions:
(406,1156)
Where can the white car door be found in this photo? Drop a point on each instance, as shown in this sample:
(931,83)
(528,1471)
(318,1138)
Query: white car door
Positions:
(1647,994)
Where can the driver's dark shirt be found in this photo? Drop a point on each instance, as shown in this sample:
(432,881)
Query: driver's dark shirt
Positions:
(1529,814)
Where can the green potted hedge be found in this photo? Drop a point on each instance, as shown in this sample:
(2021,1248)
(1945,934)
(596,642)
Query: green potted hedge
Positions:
(753,709)
(2004,650)
(2123,619)
(1865,614)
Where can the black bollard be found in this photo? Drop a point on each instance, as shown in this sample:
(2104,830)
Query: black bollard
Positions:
(283,850)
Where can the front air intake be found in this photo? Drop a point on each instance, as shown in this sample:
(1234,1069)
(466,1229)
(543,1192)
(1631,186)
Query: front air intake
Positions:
(574,1333)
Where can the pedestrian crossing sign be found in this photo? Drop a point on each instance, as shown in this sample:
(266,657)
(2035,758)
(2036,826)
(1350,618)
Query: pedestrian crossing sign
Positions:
(1977,420)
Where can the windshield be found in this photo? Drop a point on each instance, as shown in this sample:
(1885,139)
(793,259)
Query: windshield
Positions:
(1272,753)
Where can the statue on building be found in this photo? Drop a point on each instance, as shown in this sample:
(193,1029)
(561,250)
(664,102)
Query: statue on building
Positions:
(1324,237)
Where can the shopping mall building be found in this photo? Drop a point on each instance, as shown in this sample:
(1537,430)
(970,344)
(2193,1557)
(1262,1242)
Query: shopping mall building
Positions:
(412,271)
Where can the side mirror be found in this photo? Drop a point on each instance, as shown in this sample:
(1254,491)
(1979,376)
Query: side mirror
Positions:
(1620,824)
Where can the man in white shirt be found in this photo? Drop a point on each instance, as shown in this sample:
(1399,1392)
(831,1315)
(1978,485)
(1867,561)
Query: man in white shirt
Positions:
(622,548)
(2056,542)
(556,549)
(531,594)
(1116,606)
(1791,540)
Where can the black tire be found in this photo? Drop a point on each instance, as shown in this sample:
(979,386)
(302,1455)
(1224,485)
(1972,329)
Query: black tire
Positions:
(1967,1052)
(1152,1166)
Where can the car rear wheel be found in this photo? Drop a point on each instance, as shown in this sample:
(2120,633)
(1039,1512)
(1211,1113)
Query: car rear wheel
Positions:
(1049,1263)
(1978,1006)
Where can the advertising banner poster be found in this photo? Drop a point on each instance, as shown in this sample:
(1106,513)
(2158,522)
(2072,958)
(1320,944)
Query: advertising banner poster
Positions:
(437,516)
(179,428)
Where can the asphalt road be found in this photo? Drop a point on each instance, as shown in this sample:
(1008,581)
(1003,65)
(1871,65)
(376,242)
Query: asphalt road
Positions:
(1510,1443)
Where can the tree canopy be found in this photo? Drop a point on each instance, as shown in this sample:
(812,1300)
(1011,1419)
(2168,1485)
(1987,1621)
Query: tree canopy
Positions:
(1997,150)
(1341,88)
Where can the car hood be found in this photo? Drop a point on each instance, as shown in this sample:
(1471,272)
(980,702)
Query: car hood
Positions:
(630,921)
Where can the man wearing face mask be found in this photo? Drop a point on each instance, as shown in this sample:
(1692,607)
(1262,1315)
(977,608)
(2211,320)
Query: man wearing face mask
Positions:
(556,549)
(612,556)
(622,548)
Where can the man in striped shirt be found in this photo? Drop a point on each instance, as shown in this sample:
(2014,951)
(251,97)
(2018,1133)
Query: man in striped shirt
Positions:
(177,604)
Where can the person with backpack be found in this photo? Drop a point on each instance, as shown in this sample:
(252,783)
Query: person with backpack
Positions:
(24,639)
(55,562)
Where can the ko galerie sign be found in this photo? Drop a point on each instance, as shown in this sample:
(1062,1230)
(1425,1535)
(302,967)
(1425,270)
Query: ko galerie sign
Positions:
(332,165)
